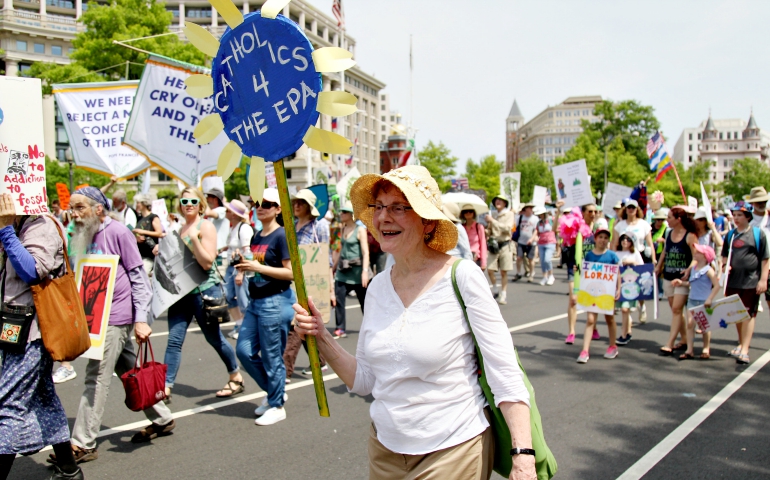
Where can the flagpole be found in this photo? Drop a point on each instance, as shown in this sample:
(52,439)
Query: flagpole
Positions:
(341,120)
(679,181)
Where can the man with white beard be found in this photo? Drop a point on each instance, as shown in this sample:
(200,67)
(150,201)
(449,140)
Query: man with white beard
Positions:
(97,233)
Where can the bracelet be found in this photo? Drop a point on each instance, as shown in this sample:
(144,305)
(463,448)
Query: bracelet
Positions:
(522,451)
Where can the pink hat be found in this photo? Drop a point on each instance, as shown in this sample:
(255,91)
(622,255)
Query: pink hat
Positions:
(707,252)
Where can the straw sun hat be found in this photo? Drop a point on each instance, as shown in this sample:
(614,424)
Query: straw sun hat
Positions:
(423,195)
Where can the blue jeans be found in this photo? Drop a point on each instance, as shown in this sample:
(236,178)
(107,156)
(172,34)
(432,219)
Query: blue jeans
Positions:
(546,256)
(236,296)
(264,331)
(180,315)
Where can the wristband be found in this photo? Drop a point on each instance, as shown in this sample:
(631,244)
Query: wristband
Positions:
(522,451)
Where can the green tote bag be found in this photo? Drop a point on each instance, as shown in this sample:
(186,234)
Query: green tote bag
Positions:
(545,463)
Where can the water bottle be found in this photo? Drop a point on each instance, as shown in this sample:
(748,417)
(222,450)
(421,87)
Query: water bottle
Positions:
(248,256)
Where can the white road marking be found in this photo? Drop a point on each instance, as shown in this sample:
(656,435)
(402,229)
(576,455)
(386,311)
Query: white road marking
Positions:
(662,449)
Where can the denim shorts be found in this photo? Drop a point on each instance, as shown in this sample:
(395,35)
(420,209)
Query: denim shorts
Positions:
(692,303)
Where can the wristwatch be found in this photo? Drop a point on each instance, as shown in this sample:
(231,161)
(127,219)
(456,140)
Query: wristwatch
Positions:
(522,451)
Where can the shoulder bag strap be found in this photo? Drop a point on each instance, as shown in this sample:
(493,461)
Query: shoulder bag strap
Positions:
(67,268)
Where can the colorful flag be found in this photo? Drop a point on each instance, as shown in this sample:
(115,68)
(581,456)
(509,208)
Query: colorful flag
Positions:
(334,123)
(664,167)
(655,142)
(338,13)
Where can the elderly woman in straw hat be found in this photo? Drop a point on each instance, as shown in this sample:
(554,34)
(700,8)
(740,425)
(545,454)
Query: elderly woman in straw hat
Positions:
(415,351)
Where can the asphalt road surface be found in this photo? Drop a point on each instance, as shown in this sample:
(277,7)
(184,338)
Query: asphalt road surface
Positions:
(639,415)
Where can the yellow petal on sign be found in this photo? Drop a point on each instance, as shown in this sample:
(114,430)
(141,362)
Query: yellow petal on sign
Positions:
(229,12)
(201,39)
(337,104)
(272,8)
(257,178)
(208,129)
(229,159)
(199,86)
(332,59)
(325,141)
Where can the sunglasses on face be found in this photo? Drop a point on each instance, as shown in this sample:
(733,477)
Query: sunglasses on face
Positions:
(590,211)
(189,201)
(266,205)
(630,207)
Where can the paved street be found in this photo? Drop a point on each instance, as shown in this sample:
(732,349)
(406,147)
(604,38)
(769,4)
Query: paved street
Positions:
(599,418)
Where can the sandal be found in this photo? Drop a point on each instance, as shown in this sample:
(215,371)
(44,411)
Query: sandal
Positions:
(680,346)
(686,356)
(230,391)
(742,359)
(665,351)
(734,352)
(705,356)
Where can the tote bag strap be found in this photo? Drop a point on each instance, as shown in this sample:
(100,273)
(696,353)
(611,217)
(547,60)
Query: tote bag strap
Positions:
(67,268)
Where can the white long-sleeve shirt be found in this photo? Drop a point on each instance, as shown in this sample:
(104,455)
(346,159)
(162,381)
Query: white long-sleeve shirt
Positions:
(419,363)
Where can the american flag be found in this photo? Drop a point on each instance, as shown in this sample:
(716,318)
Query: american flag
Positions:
(656,141)
(338,13)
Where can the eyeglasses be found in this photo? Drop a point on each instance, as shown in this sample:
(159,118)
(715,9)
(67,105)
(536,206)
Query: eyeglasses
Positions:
(266,205)
(81,208)
(189,201)
(396,209)
(590,211)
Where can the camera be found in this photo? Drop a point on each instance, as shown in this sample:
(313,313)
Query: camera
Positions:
(237,258)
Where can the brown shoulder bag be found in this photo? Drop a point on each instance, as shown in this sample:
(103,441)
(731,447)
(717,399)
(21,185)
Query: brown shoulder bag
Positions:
(60,314)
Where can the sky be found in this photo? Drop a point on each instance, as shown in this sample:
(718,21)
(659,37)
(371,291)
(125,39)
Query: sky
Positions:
(472,58)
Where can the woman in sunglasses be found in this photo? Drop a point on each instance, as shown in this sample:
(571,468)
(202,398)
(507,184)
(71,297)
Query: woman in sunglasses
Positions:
(632,220)
(265,329)
(200,237)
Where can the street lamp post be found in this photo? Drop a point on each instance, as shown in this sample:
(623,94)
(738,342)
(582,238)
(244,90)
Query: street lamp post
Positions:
(70,162)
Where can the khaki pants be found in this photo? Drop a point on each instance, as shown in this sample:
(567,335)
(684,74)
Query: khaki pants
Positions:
(471,460)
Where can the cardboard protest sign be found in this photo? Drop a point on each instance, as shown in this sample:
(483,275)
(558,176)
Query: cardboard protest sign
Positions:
(572,183)
(510,188)
(163,119)
(706,203)
(615,193)
(598,284)
(175,274)
(22,162)
(64,196)
(159,209)
(692,202)
(95,117)
(539,196)
(315,267)
(95,278)
(637,282)
(722,313)
(728,202)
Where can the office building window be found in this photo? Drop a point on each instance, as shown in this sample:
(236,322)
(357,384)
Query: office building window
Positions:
(56,50)
(690,147)
(735,135)
(690,160)
(550,114)
(191,12)
(699,135)
(382,107)
(586,113)
(21,45)
(568,113)
(39,48)
(61,135)
(728,135)
(720,135)
(724,163)
(174,13)
(558,114)
(690,136)
(69,51)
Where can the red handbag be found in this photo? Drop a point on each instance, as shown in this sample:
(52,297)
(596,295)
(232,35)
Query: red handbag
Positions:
(145,384)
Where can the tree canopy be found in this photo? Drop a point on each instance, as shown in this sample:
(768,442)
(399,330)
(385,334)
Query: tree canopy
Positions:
(59,172)
(484,175)
(534,171)
(440,163)
(746,173)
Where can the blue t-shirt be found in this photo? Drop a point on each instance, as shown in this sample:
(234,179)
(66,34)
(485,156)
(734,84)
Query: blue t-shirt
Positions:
(720,223)
(270,250)
(609,257)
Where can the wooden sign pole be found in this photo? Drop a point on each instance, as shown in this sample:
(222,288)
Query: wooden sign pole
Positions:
(299,281)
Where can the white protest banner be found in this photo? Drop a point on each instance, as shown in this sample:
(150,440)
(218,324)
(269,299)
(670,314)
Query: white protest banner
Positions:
(510,188)
(572,183)
(159,209)
(95,117)
(345,184)
(317,273)
(175,274)
(692,202)
(22,163)
(163,119)
(706,202)
(615,193)
(727,202)
(598,285)
(95,278)
(538,196)
(722,313)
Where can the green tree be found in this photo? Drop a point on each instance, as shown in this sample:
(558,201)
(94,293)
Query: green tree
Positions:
(237,184)
(440,163)
(485,175)
(746,173)
(169,195)
(118,20)
(59,172)
(628,120)
(534,171)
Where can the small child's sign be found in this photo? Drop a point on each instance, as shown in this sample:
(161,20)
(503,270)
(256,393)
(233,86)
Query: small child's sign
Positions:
(22,159)
(598,285)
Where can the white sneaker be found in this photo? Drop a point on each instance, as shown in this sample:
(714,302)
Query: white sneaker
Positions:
(64,374)
(543,281)
(272,416)
(501,298)
(264,406)
(308,371)
(550,280)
